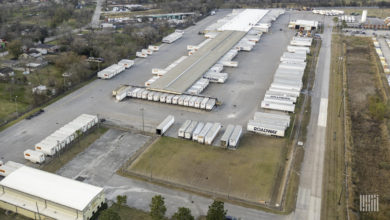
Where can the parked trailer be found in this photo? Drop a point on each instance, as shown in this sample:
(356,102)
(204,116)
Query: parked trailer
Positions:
(154,48)
(297,66)
(191,103)
(235,137)
(203,133)
(165,125)
(175,99)
(169,98)
(186,100)
(159,72)
(163,97)
(280,96)
(150,96)
(141,54)
(180,101)
(140,92)
(203,103)
(300,43)
(147,51)
(210,104)
(183,128)
(9,167)
(34,156)
(197,130)
(265,129)
(292,60)
(298,49)
(275,116)
(190,130)
(285,86)
(226,135)
(212,133)
(278,106)
(134,92)
(120,89)
(198,101)
(279,101)
(126,63)
(47,148)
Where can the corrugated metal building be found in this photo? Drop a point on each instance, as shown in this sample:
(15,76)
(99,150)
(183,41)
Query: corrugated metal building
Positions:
(41,195)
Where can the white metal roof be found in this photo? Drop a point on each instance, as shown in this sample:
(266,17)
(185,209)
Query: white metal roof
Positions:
(244,20)
(51,187)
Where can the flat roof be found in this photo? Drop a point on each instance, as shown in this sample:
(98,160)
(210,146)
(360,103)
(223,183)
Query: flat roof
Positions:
(51,187)
(244,20)
(182,76)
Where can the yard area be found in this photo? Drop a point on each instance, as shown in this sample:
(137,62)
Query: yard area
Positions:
(77,147)
(371,12)
(249,173)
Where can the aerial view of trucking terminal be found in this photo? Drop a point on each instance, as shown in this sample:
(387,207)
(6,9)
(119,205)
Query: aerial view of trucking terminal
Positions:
(184,110)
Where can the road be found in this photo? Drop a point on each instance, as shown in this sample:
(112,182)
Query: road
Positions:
(310,187)
(95,23)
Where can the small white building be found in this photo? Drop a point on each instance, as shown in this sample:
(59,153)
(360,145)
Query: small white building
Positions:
(306,25)
(40,195)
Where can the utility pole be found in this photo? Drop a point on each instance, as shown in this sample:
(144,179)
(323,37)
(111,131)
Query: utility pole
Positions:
(16,105)
(143,120)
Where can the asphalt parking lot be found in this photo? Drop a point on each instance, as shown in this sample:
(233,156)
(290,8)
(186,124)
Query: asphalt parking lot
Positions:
(240,95)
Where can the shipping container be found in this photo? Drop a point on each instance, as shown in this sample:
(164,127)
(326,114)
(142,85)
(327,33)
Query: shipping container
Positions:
(154,48)
(147,51)
(210,136)
(202,134)
(34,156)
(226,135)
(165,125)
(279,101)
(47,148)
(197,130)
(134,92)
(235,137)
(298,49)
(183,128)
(285,86)
(280,96)
(190,129)
(141,54)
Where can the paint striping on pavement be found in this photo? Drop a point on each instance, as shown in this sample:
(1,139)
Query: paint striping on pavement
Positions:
(322,117)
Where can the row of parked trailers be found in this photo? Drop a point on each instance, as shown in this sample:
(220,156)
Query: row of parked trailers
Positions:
(287,83)
(148,51)
(382,58)
(194,101)
(115,69)
(60,138)
(206,132)
(271,124)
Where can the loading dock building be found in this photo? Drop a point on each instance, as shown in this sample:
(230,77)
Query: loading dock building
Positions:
(40,195)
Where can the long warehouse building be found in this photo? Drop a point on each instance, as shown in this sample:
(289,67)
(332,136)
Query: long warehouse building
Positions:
(182,76)
(41,195)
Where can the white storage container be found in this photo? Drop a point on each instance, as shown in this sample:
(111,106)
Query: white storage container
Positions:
(202,134)
(183,128)
(190,129)
(209,138)
(197,130)
(165,125)
(226,135)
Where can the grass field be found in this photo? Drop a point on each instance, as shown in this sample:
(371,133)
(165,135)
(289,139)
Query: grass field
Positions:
(248,173)
(72,151)
(371,12)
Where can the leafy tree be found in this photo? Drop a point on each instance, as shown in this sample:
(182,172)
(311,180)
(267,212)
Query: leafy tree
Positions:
(121,200)
(109,214)
(15,48)
(335,20)
(183,214)
(216,211)
(157,207)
